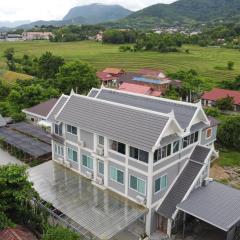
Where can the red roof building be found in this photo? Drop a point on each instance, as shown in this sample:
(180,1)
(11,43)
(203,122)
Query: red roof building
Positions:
(18,233)
(140,89)
(109,76)
(210,98)
(151,72)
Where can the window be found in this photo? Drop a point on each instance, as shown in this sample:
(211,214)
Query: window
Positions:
(33,119)
(176,146)
(58,150)
(117,146)
(162,152)
(58,129)
(72,155)
(87,161)
(188,140)
(160,184)
(101,167)
(101,140)
(72,129)
(209,133)
(116,175)
(138,185)
(138,154)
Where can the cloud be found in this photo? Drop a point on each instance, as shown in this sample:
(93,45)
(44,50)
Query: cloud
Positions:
(11,10)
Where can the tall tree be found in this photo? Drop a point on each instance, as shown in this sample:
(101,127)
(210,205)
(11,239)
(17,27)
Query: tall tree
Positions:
(77,75)
(48,65)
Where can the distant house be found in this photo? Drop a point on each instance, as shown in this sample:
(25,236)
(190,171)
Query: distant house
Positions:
(29,36)
(14,37)
(18,233)
(140,89)
(109,76)
(153,81)
(38,113)
(152,72)
(209,98)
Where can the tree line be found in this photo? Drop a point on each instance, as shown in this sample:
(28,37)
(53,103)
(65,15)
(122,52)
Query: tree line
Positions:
(52,76)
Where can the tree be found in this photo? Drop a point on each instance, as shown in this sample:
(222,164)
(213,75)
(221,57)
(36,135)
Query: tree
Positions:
(48,65)
(230,65)
(76,75)
(9,54)
(16,194)
(60,233)
(229,132)
(225,103)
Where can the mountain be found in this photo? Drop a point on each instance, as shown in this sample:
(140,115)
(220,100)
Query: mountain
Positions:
(60,23)
(185,12)
(98,13)
(7,24)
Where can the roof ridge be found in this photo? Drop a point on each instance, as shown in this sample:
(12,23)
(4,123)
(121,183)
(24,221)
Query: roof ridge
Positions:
(194,105)
(169,115)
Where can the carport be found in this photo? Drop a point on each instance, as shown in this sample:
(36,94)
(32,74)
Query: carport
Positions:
(215,204)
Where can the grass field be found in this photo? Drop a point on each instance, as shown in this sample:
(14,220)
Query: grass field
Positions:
(207,61)
(10,77)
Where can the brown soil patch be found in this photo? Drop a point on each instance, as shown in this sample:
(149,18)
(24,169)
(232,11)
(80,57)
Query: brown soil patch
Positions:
(218,173)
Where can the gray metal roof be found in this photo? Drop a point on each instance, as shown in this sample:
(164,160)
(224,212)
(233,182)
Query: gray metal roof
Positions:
(136,127)
(184,182)
(103,213)
(27,144)
(200,154)
(32,131)
(2,121)
(93,92)
(56,108)
(169,139)
(216,204)
(198,126)
(183,112)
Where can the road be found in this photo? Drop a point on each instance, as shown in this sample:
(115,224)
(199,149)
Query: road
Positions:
(6,158)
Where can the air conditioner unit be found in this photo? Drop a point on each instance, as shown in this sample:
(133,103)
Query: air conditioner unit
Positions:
(99,180)
(100,151)
(140,199)
(89,175)
(67,164)
(82,143)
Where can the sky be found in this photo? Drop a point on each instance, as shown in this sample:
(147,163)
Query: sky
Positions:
(12,10)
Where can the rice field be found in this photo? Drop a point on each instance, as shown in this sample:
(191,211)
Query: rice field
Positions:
(209,62)
(10,77)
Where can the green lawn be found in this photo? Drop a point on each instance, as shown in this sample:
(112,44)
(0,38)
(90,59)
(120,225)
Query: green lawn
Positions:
(207,61)
(229,158)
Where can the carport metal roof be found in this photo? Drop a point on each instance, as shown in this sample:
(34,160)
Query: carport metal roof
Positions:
(216,204)
(101,212)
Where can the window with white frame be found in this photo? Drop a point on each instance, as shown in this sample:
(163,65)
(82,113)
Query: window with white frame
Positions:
(138,154)
(176,146)
(101,140)
(160,184)
(72,155)
(117,146)
(58,150)
(116,175)
(58,129)
(190,139)
(101,167)
(87,161)
(162,152)
(72,129)
(138,185)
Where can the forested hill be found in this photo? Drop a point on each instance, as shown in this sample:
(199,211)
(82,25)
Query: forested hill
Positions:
(186,11)
(97,13)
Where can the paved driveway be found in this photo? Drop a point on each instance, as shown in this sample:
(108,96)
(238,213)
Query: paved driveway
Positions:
(6,158)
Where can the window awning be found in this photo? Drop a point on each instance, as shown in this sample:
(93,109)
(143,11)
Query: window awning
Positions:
(216,204)
(101,212)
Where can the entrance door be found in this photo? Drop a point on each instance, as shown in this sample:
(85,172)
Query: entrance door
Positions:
(162,223)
